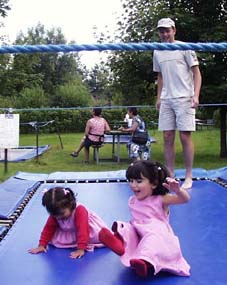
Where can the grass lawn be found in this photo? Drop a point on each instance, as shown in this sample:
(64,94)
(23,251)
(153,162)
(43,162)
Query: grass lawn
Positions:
(207,149)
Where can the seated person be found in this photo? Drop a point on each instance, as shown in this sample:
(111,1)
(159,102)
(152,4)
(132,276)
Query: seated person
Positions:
(137,151)
(94,133)
(128,120)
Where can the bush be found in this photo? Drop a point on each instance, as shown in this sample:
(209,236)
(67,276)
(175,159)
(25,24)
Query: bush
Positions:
(32,98)
(72,94)
(7,102)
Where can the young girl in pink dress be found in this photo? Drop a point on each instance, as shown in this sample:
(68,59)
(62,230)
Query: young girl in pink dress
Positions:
(70,225)
(147,243)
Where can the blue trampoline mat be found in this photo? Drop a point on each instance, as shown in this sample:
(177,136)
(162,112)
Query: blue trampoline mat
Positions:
(22,153)
(199,173)
(12,193)
(199,224)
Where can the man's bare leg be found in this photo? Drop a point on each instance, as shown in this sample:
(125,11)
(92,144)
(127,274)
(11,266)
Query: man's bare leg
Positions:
(169,150)
(188,154)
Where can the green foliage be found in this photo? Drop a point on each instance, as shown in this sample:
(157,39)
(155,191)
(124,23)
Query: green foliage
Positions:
(7,102)
(46,71)
(118,99)
(32,98)
(99,81)
(4,8)
(67,121)
(75,120)
(133,77)
(71,94)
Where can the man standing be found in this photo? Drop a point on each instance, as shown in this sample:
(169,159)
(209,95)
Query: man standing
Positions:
(179,83)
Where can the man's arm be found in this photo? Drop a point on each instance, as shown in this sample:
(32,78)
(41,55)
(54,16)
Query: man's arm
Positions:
(159,91)
(197,85)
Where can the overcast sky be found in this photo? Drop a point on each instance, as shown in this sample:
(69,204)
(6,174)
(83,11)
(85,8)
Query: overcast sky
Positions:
(76,18)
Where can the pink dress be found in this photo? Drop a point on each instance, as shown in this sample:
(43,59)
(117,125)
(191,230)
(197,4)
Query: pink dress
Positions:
(65,235)
(149,236)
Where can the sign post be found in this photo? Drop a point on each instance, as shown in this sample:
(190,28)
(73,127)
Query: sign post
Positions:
(9,134)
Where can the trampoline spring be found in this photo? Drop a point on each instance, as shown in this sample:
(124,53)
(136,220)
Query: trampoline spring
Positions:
(20,208)
(13,219)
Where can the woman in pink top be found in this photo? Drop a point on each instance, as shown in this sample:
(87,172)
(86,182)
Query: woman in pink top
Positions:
(94,133)
(147,243)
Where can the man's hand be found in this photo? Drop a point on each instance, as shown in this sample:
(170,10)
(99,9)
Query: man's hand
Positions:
(158,104)
(195,102)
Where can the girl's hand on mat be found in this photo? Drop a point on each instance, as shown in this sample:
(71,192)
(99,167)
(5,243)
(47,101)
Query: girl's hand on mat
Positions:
(77,254)
(37,249)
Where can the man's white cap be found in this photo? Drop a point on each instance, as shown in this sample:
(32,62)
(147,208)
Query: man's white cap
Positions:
(165,23)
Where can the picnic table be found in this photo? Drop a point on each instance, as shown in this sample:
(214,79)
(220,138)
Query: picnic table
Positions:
(116,137)
(119,137)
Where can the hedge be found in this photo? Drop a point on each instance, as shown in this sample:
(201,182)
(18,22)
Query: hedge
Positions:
(69,121)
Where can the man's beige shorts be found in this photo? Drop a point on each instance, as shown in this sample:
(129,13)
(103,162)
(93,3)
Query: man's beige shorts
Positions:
(176,114)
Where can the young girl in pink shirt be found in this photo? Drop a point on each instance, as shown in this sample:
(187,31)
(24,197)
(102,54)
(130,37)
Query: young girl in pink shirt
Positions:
(147,243)
(70,225)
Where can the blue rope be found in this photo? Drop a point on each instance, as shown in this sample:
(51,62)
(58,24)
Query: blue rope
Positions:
(206,47)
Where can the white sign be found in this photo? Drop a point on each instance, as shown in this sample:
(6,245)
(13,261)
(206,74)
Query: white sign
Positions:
(9,130)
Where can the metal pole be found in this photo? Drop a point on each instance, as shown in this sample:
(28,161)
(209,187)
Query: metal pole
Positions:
(59,135)
(223,148)
(6,161)
(37,141)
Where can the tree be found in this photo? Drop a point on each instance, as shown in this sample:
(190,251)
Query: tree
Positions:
(32,98)
(132,71)
(4,8)
(72,94)
(49,69)
(99,81)
(40,71)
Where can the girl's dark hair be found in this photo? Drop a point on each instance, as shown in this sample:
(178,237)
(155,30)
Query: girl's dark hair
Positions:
(133,110)
(155,172)
(97,111)
(57,199)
